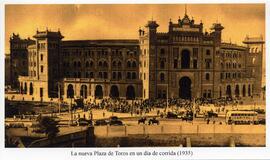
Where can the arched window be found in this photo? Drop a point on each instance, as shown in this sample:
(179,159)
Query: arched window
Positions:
(114,63)
(119,75)
(175,63)
(99,74)
(91,75)
(207,76)
(87,64)
(100,64)
(87,75)
(105,64)
(162,51)
(105,75)
(134,75)
(83,91)
(162,64)
(119,64)
(128,75)
(70,91)
(185,59)
(134,65)
(74,64)
(31,90)
(79,64)
(91,63)
(208,52)
(128,64)
(162,77)
(114,75)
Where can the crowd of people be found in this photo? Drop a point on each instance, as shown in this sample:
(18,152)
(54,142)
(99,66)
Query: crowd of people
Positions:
(144,106)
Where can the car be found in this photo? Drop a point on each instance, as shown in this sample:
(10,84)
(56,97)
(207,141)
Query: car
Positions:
(212,114)
(114,121)
(83,122)
(261,121)
(114,118)
(101,122)
(171,115)
(187,118)
(153,121)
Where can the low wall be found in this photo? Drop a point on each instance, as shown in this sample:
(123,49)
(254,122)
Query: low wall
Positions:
(159,136)
(120,131)
(169,140)
(84,138)
(171,135)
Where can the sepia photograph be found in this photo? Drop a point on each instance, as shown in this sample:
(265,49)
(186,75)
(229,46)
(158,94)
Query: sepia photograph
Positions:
(134,75)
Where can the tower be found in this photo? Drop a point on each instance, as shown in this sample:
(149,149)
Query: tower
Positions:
(48,62)
(18,58)
(148,59)
(217,32)
(255,62)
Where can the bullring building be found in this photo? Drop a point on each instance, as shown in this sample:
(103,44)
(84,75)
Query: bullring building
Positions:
(184,62)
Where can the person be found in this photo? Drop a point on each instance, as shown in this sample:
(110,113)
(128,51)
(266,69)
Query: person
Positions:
(91,113)
(161,115)
(208,120)
(103,114)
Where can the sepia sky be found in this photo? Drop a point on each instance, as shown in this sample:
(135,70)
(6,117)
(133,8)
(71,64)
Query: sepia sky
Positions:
(123,21)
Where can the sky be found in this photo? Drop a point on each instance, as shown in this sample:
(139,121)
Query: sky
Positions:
(93,21)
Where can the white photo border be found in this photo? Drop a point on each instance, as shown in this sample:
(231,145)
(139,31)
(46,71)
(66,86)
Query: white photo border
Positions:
(247,153)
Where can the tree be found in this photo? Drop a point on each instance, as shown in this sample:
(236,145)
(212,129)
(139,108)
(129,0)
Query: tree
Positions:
(10,109)
(48,126)
(264,88)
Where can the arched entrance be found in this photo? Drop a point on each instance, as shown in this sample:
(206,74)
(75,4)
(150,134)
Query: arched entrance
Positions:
(237,90)
(185,59)
(99,92)
(83,91)
(229,91)
(249,90)
(114,93)
(244,90)
(25,88)
(21,89)
(130,94)
(70,91)
(185,88)
(31,90)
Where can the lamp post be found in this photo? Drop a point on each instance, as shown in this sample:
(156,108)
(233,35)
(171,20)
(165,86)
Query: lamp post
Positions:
(59,98)
(70,95)
(193,110)
(167,96)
